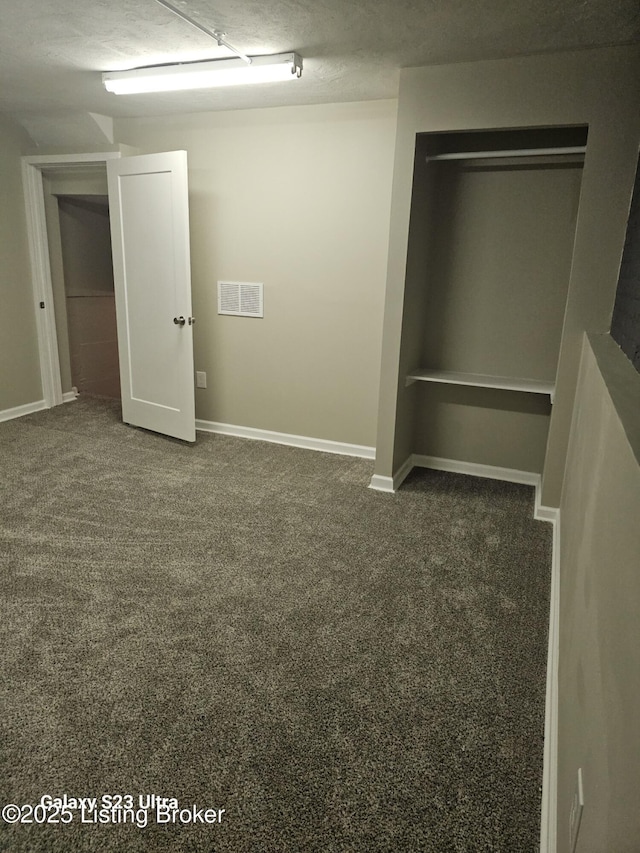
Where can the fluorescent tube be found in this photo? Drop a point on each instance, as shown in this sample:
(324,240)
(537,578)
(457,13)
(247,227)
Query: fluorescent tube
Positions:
(204,75)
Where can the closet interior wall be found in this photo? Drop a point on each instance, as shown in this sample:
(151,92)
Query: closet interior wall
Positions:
(488,265)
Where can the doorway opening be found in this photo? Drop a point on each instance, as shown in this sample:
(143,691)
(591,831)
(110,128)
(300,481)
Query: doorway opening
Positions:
(150,216)
(79,239)
(76,175)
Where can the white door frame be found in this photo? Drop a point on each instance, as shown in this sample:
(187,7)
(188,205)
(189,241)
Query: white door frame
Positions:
(38,241)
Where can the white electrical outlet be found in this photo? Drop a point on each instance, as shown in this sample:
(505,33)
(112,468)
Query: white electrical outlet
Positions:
(201,379)
(577,805)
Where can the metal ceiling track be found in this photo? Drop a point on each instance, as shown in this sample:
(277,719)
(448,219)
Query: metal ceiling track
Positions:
(214,34)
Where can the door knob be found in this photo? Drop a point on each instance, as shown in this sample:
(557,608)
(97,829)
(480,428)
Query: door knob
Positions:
(179,321)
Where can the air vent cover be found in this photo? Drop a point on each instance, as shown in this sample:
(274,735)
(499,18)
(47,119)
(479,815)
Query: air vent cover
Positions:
(240,298)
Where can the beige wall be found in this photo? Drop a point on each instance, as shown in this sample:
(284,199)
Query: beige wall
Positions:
(297,198)
(19,365)
(420,246)
(85,238)
(599,88)
(599,674)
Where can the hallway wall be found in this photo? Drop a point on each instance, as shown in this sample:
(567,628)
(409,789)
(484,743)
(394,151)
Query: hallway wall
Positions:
(599,678)
(20,382)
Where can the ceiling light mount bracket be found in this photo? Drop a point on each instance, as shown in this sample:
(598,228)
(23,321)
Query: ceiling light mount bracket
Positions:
(221,38)
(218,36)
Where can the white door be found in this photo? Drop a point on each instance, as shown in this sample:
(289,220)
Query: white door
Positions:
(149,213)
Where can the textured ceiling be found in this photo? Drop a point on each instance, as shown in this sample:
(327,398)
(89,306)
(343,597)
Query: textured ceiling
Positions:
(52,51)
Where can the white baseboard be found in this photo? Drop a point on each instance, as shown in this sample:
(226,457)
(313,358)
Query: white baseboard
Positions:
(549,813)
(37,406)
(403,472)
(491,472)
(416,460)
(305,442)
(510,475)
(544,513)
(381,484)
(392,484)
(20,411)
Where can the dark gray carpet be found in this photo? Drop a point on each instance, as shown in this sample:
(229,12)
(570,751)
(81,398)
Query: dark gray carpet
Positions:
(246,626)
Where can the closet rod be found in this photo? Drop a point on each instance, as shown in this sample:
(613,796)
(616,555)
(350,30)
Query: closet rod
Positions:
(518,152)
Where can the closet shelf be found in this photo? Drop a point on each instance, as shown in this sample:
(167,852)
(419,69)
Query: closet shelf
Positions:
(516,152)
(479,380)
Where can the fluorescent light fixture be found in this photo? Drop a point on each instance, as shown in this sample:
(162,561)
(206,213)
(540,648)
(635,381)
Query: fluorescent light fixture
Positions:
(204,75)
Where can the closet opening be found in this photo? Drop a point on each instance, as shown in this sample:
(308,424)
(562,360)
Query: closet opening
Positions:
(493,218)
